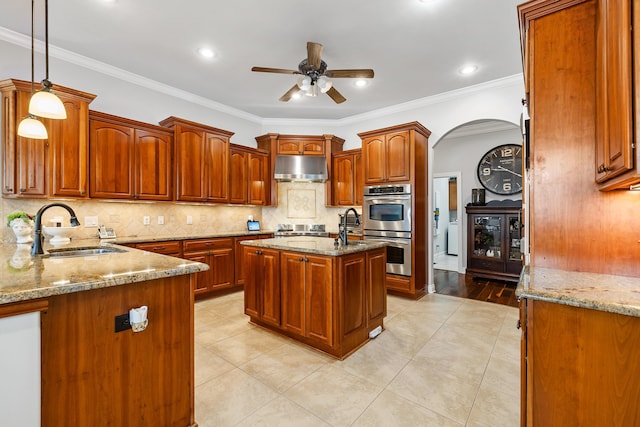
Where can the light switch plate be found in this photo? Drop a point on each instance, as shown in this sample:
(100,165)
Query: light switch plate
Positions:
(90,221)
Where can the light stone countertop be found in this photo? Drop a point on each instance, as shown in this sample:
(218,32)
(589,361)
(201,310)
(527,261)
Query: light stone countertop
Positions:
(604,292)
(315,245)
(24,277)
(143,239)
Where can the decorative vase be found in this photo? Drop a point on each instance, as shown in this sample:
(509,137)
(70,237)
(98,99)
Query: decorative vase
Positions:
(23,230)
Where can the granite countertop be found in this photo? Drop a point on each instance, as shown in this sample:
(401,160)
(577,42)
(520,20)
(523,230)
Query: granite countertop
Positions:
(24,277)
(315,245)
(604,292)
(142,239)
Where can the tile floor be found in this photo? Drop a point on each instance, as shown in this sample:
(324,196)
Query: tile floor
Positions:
(441,361)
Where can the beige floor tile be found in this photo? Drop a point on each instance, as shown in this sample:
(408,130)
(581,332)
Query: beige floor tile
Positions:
(416,324)
(494,409)
(482,317)
(247,345)
(282,412)
(230,398)
(435,389)
(465,363)
(374,363)
(285,366)
(389,409)
(399,342)
(503,375)
(333,395)
(218,330)
(209,365)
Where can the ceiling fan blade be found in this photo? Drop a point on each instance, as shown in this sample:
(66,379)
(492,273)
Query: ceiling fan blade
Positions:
(314,53)
(274,70)
(336,96)
(287,96)
(357,73)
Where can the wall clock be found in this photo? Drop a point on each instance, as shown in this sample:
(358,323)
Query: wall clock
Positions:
(500,169)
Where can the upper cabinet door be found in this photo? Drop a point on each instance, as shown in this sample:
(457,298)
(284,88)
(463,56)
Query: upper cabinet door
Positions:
(190,165)
(374,158)
(258,178)
(69,151)
(398,157)
(614,93)
(238,184)
(112,159)
(153,165)
(217,154)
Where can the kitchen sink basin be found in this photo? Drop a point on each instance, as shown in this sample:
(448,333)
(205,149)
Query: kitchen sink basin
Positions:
(86,251)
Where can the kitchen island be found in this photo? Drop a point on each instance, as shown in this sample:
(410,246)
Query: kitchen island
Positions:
(326,295)
(94,370)
(580,348)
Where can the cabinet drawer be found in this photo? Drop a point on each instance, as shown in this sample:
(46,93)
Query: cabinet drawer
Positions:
(166,247)
(200,245)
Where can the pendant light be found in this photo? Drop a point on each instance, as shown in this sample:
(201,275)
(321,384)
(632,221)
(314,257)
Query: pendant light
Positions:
(30,126)
(45,103)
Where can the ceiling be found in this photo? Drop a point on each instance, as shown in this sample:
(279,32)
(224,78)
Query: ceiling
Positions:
(415,48)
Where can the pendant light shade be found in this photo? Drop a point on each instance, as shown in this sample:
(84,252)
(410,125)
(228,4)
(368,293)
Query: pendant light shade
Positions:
(45,103)
(31,127)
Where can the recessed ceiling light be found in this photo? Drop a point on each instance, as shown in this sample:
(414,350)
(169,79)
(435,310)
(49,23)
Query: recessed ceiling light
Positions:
(296,95)
(468,69)
(205,52)
(361,83)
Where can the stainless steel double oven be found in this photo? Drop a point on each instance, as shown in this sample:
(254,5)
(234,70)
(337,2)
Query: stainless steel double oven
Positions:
(387,217)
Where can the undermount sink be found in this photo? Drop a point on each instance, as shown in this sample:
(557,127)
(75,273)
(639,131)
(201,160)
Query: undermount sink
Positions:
(86,251)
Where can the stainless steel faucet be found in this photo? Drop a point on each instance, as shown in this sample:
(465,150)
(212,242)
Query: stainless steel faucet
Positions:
(38,238)
(342,232)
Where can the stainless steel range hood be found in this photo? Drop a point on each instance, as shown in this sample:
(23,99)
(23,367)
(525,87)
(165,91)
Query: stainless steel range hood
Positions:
(301,168)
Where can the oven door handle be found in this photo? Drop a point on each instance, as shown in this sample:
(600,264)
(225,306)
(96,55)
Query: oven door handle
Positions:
(399,241)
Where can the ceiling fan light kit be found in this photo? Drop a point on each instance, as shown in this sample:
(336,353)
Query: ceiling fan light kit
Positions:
(315,76)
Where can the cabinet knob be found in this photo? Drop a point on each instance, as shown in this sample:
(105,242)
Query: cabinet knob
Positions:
(22,190)
(518,324)
(258,252)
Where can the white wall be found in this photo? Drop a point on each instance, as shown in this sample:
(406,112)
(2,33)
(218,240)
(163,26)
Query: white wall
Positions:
(462,154)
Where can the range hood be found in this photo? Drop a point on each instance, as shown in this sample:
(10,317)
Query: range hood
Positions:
(301,168)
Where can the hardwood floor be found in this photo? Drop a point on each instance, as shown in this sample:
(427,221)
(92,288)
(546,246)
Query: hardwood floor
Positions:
(461,285)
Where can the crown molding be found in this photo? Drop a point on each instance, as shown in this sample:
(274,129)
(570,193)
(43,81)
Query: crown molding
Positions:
(101,67)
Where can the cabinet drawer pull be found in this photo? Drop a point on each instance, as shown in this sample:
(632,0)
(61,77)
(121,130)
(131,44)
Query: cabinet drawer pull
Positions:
(159,248)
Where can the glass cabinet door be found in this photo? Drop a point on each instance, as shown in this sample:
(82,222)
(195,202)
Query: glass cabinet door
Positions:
(487,236)
(515,234)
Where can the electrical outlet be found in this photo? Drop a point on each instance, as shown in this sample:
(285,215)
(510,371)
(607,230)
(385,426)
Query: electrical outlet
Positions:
(90,221)
(146,220)
(122,322)
(189,220)
(160,219)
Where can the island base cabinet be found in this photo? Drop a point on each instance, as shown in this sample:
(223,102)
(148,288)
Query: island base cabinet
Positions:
(94,376)
(580,366)
(330,303)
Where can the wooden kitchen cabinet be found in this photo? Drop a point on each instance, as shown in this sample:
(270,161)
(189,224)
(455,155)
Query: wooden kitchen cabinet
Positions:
(218,254)
(249,170)
(615,93)
(56,167)
(493,244)
(201,161)
(129,159)
(307,296)
(347,178)
(328,302)
(168,247)
(578,366)
(312,145)
(240,267)
(300,145)
(262,286)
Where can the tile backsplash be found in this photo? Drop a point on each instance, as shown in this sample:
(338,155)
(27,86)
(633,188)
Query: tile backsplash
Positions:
(298,203)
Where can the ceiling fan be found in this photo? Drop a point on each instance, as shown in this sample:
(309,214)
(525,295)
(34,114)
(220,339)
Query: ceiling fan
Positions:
(315,76)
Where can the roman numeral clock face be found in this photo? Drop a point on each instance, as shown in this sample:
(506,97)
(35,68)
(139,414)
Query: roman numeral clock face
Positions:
(500,170)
